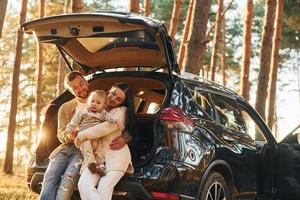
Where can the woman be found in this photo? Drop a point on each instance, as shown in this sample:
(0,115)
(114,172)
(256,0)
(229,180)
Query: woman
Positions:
(120,106)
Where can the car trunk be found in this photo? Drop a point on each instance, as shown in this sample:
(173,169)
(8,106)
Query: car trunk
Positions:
(107,40)
(150,90)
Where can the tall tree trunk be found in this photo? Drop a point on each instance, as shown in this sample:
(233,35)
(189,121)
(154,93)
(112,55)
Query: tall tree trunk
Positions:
(134,6)
(194,55)
(8,165)
(265,58)
(67,6)
(3,5)
(77,6)
(214,24)
(62,64)
(147,7)
(175,18)
(28,146)
(38,96)
(214,55)
(274,64)
(186,30)
(223,52)
(61,76)
(248,15)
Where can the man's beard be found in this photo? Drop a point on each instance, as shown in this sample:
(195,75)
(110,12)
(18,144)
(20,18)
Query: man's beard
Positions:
(83,94)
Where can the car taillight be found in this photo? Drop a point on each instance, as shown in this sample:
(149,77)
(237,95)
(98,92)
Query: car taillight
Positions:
(174,117)
(161,195)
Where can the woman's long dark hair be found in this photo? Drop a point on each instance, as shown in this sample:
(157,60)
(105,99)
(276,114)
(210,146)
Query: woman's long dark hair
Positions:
(129,103)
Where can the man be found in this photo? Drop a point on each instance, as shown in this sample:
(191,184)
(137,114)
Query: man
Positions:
(63,170)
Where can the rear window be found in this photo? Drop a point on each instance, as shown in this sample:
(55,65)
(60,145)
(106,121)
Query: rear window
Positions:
(116,40)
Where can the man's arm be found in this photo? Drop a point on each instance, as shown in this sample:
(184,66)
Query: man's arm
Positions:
(64,115)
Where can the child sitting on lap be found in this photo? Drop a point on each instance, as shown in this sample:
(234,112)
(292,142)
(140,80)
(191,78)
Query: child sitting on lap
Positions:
(92,150)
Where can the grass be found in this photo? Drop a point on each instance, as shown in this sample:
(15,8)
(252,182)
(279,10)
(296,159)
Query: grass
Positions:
(13,187)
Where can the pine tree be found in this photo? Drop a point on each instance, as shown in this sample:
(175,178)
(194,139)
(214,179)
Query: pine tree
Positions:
(175,18)
(244,82)
(196,46)
(265,58)
(3,5)
(274,64)
(8,165)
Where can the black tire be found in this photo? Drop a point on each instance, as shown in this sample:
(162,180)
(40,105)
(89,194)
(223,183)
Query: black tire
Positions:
(215,188)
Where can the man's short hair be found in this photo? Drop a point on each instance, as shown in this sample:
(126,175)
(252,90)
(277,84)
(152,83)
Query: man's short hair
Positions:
(71,76)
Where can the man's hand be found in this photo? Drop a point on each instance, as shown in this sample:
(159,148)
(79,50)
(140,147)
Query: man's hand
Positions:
(77,142)
(72,135)
(118,143)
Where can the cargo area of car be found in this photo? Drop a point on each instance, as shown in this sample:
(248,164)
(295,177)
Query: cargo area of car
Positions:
(150,95)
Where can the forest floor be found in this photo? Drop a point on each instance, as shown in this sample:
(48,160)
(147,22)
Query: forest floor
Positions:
(13,187)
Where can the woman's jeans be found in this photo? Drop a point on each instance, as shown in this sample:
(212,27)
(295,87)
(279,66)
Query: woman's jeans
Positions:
(62,175)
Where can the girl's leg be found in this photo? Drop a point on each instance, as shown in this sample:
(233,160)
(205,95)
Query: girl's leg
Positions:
(107,183)
(87,151)
(87,185)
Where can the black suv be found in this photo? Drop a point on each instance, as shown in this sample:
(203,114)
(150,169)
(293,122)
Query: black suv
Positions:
(195,139)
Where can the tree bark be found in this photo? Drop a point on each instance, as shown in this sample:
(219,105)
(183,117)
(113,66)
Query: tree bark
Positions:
(67,7)
(186,31)
(3,5)
(244,85)
(134,6)
(38,96)
(265,58)
(62,64)
(77,6)
(194,55)
(223,53)
(175,18)
(61,76)
(8,165)
(147,7)
(214,55)
(274,64)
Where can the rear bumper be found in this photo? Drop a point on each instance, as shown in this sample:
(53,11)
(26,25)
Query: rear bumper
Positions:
(134,187)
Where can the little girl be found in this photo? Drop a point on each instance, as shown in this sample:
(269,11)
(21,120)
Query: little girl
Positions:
(92,150)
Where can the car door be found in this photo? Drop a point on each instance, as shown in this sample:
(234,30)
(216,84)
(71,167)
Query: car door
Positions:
(265,150)
(289,167)
(239,148)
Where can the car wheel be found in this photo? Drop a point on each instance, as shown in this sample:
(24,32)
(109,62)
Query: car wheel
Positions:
(215,188)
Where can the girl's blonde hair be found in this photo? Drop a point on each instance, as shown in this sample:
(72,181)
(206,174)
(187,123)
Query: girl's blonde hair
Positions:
(100,93)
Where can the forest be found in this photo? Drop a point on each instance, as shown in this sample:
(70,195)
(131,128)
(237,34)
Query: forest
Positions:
(250,46)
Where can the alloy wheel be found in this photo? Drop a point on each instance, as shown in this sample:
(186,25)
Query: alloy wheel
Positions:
(216,192)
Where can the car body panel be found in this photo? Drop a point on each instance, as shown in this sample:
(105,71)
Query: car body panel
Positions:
(103,40)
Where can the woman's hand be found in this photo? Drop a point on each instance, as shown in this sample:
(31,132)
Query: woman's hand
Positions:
(118,143)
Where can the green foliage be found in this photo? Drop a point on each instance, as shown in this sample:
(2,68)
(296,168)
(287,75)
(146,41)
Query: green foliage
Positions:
(291,11)
(96,5)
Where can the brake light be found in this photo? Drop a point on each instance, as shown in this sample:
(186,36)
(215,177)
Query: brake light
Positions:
(161,195)
(175,114)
